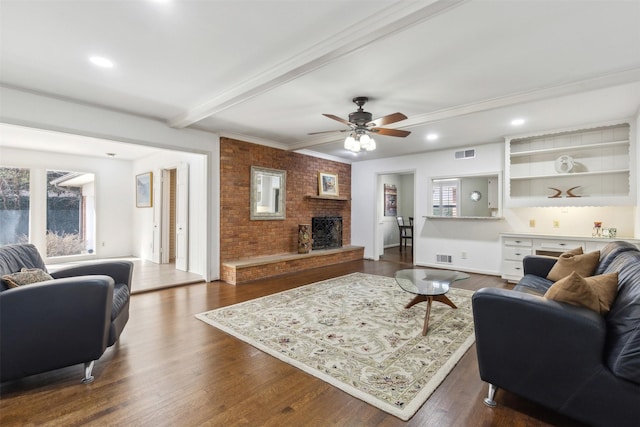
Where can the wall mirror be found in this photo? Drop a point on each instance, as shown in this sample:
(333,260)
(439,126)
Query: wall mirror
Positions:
(469,196)
(268,193)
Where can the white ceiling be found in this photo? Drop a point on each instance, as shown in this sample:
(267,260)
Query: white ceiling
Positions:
(264,71)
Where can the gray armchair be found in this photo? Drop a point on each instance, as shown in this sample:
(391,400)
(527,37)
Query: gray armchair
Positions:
(69,320)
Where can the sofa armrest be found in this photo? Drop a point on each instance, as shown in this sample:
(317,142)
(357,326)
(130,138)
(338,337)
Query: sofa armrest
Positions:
(120,271)
(535,347)
(52,324)
(538,265)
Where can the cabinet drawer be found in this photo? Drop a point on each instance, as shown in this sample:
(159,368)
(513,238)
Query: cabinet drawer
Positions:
(527,243)
(515,253)
(512,268)
(563,245)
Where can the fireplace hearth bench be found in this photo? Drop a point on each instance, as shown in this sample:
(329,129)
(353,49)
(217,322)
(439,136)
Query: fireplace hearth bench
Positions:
(247,270)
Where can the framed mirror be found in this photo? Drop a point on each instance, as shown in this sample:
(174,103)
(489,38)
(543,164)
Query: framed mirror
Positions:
(268,193)
(468,196)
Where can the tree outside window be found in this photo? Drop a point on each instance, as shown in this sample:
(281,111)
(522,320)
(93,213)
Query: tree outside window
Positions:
(14,205)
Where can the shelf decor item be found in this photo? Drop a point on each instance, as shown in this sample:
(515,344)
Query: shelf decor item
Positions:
(597,229)
(564,164)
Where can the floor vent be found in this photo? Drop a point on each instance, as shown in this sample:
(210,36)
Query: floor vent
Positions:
(443,259)
(466,154)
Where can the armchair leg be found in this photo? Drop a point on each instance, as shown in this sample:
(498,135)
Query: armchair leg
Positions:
(489,399)
(88,367)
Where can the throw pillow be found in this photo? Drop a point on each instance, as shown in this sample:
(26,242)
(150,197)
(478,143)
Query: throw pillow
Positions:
(585,265)
(26,276)
(596,293)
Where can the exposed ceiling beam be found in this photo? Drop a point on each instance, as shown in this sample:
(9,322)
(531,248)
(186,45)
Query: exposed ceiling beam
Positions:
(397,17)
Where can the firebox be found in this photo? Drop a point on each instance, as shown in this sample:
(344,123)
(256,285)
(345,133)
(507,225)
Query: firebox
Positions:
(326,232)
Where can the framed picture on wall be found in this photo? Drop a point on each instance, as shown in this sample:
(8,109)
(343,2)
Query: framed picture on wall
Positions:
(144,190)
(390,200)
(327,184)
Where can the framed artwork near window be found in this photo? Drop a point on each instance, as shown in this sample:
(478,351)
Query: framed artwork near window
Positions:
(327,184)
(144,190)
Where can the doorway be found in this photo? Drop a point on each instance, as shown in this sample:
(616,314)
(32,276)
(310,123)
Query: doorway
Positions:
(403,192)
(174,224)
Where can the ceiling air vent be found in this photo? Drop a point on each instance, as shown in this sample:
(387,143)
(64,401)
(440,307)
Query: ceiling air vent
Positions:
(466,154)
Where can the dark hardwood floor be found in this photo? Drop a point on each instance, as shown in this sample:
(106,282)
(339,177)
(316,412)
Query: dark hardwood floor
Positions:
(170,369)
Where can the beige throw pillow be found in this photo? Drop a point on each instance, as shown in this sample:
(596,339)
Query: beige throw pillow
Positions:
(26,276)
(596,293)
(585,265)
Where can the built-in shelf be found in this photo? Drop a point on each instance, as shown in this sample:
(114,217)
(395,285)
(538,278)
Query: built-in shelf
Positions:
(570,175)
(340,199)
(599,174)
(568,149)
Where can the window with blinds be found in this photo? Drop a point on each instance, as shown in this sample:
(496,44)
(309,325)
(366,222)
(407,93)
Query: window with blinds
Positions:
(445,197)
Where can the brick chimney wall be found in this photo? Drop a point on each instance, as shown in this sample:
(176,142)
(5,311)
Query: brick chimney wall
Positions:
(242,238)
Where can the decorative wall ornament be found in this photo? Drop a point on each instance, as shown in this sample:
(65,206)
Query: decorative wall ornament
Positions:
(327,184)
(390,200)
(144,190)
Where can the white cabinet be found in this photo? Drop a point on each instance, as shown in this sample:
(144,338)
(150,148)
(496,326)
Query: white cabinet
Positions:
(516,246)
(581,167)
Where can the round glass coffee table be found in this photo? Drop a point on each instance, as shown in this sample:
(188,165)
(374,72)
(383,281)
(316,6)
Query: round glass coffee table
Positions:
(428,285)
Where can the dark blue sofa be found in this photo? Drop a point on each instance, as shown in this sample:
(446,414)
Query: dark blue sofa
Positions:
(56,323)
(567,358)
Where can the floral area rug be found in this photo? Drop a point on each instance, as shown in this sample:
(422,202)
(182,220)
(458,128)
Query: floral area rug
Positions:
(354,333)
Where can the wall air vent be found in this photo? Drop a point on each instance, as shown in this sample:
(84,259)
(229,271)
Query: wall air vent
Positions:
(443,259)
(465,154)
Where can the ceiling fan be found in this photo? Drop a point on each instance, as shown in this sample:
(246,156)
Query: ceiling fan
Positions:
(361,126)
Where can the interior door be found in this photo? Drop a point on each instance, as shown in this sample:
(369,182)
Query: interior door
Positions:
(182,217)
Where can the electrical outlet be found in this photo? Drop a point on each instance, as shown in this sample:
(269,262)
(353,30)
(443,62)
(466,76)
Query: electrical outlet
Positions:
(532,223)
(463,255)
(556,223)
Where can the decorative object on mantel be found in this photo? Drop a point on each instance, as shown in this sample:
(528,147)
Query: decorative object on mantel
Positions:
(304,238)
(354,333)
(564,164)
(327,184)
(558,192)
(597,229)
(609,233)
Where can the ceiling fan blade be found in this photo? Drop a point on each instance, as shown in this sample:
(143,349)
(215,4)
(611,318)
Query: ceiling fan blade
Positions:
(391,132)
(329,131)
(339,119)
(387,120)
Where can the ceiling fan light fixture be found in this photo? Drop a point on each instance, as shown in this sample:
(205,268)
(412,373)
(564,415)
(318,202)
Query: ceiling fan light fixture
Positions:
(351,144)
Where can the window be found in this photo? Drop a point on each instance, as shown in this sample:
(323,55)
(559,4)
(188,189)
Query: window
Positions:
(70,213)
(14,205)
(445,197)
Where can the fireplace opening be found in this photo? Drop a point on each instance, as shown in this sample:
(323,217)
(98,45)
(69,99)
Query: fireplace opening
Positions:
(326,232)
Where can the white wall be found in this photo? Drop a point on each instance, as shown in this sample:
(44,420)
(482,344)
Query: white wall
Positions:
(42,112)
(478,239)
(113,187)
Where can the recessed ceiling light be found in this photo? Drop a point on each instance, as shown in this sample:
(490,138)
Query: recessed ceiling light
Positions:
(101,61)
(517,122)
(432,136)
